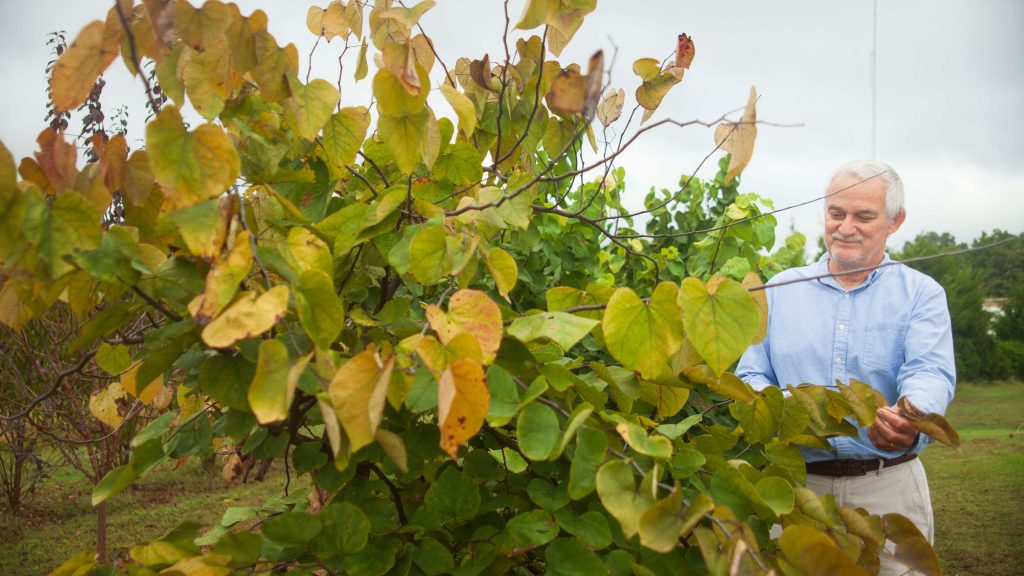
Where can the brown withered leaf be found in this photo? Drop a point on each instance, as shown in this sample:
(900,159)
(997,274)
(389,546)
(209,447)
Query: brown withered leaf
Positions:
(931,424)
(480,72)
(595,77)
(685,51)
(56,158)
(568,92)
(738,138)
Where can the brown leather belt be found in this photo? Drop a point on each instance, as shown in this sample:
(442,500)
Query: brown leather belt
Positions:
(854,467)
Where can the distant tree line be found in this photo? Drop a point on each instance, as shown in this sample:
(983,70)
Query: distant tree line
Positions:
(988,347)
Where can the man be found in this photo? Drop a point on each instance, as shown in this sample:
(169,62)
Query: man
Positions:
(888,327)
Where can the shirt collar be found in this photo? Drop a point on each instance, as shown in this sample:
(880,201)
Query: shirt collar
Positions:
(821,267)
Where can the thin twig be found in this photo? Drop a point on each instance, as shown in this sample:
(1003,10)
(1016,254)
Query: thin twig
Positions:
(135,57)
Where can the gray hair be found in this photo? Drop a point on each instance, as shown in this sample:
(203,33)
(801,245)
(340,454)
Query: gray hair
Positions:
(865,169)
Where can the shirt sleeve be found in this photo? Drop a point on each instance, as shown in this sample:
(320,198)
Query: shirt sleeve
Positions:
(755,367)
(928,375)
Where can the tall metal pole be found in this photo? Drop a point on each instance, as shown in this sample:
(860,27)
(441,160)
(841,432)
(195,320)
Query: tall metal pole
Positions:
(874,82)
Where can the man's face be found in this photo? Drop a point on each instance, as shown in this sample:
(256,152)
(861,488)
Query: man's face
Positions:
(856,222)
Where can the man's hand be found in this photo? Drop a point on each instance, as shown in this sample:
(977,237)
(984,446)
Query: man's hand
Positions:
(891,432)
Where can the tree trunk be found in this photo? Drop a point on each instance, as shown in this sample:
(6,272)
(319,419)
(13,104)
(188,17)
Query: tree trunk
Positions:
(101,531)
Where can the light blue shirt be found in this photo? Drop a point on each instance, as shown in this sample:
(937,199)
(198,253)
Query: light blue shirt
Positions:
(892,332)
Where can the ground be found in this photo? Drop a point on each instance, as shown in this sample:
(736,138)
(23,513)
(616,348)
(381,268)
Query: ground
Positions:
(978,495)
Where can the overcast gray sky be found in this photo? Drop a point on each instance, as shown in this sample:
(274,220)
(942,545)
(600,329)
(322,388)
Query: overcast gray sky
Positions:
(950,90)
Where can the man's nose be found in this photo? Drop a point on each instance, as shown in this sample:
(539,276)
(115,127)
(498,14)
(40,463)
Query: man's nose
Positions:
(846,227)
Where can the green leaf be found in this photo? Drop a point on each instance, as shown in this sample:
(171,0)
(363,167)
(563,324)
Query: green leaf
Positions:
(577,418)
(686,462)
(570,557)
(346,530)
(226,380)
(590,527)
(433,558)
(392,98)
(675,430)
(113,359)
(269,394)
(113,482)
(242,547)
(661,525)
(404,136)
(777,494)
(460,164)
(59,228)
(342,137)
(532,529)
(203,226)
(619,493)
(103,323)
(643,336)
(189,166)
(291,528)
(654,446)
(721,319)
(561,328)
(548,496)
(756,419)
(504,396)
(591,445)
(538,431)
(429,255)
(453,495)
(310,106)
(320,311)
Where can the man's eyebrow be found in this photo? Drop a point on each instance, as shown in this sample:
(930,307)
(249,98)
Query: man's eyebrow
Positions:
(867,212)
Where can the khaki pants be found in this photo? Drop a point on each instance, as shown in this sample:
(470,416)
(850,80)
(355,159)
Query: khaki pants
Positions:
(902,489)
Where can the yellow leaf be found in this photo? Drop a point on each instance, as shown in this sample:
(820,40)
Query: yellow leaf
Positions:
(268,394)
(462,402)
(145,392)
(473,312)
(358,391)
(738,138)
(310,106)
(108,405)
(334,22)
(393,446)
(189,166)
(204,226)
(504,270)
(437,356)
(761,299)
(315,20)
(247,317)
(463,107)
(610,108)
(77,68)
(200,27)
(223,279)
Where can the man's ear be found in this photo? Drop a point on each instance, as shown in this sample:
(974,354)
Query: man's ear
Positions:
(896,222)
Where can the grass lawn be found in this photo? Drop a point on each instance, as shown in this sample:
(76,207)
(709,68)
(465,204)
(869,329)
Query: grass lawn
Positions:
(978,490)
(59,521)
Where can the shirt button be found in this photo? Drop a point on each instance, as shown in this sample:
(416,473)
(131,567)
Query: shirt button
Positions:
(846,295)
(839,359)
(842,326)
